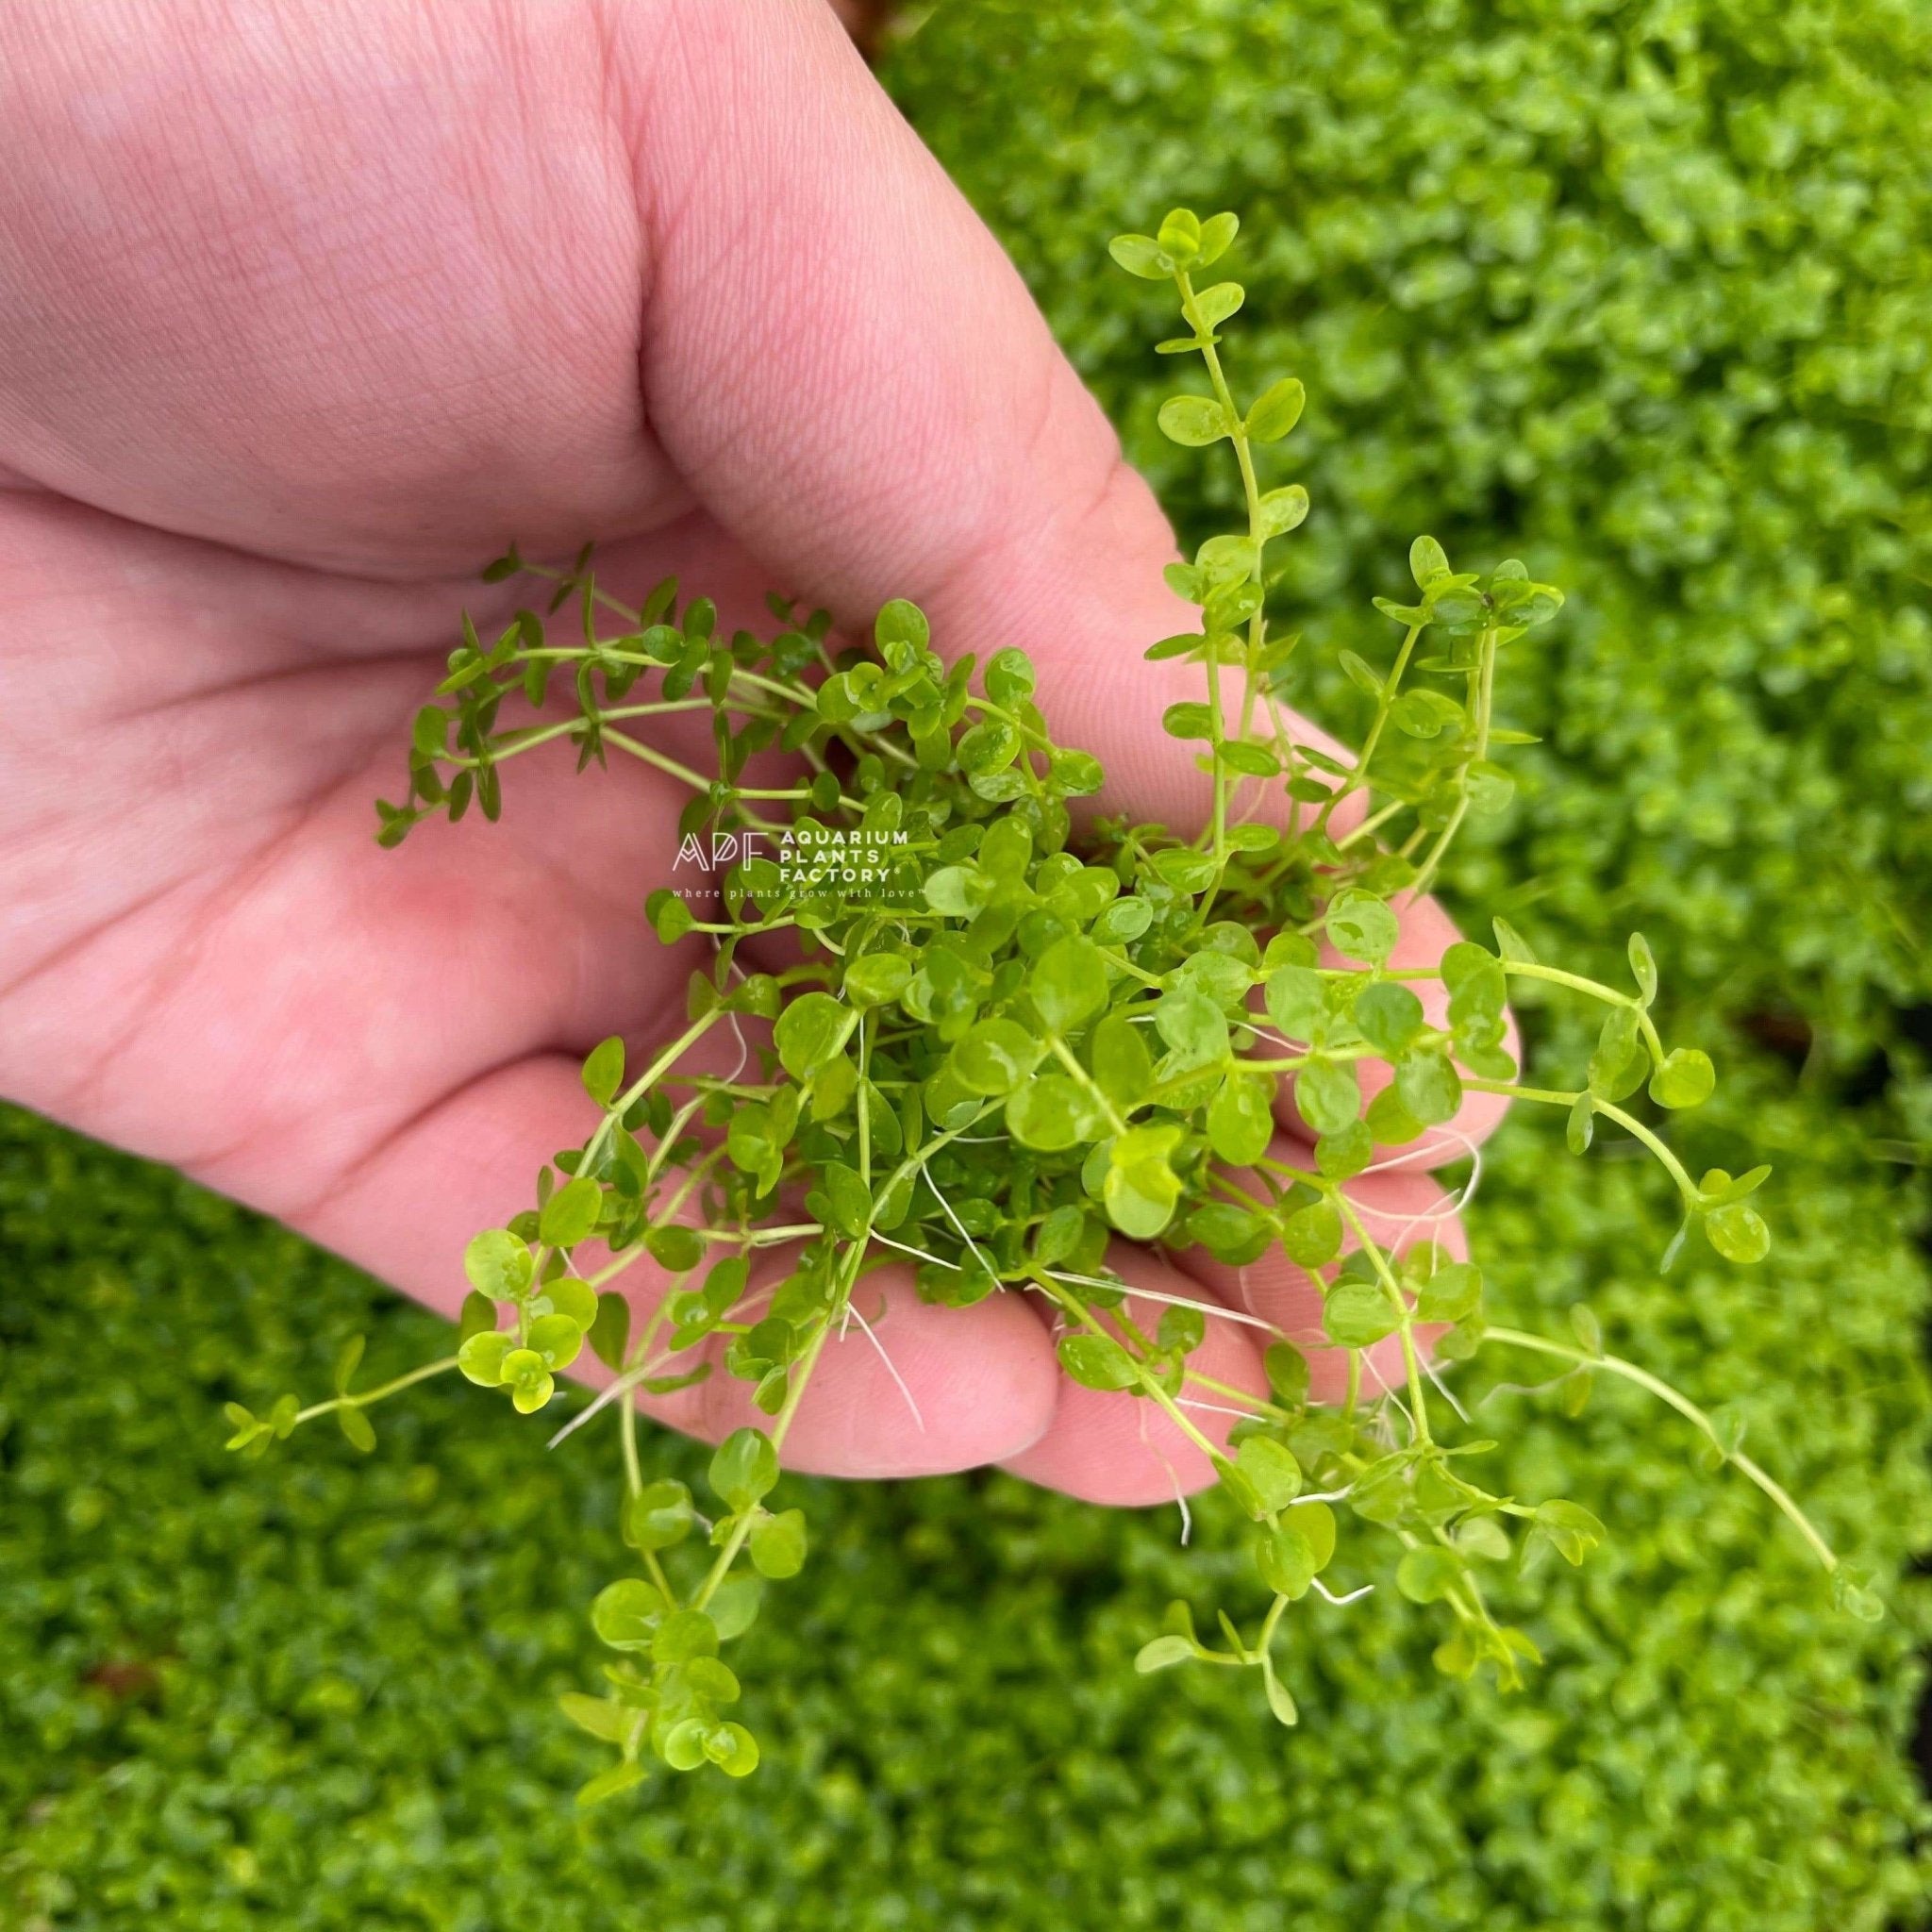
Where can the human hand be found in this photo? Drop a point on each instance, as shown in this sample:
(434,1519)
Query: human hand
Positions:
(308,311)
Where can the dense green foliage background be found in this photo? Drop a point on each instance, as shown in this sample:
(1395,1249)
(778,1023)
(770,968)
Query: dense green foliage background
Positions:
(315,1691)
(1639,291)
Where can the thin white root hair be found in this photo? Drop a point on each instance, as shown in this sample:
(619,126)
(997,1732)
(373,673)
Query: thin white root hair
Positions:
(1443,1389)
(632,1378)
(1456,1202)
(926,1170)
(1354,1596)
(1389,1395)
(1173,1476)
(1173,1301)
(952,1267)
(1213,1408)
(899,1381)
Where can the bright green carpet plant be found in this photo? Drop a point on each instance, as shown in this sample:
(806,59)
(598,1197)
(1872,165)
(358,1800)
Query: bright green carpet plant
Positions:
(1020,1043)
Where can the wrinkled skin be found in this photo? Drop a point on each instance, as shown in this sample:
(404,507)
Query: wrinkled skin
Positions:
(308,308)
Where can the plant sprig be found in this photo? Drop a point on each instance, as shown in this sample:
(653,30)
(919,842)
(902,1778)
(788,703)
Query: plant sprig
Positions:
(1007,1048)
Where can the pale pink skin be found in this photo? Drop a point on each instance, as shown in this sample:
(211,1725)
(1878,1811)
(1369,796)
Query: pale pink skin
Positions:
(306,311)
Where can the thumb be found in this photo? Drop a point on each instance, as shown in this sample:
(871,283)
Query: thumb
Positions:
(841,362)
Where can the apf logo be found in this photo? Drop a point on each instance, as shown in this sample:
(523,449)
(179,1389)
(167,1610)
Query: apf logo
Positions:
(727,848)
(848,861)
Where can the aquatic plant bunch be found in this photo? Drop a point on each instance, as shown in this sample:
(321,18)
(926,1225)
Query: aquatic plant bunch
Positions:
(939,1024)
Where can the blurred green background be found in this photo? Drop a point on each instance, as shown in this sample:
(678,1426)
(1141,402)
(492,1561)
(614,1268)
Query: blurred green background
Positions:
(1641,292)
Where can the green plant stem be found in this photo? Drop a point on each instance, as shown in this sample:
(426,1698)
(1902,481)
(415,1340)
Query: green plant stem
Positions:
(1074,1306)
(1269,1623)
(781,1425)
(670,766)
(1085,1080)
(1367,829)
(643,1084)
(1359,778)
(1237,435)
(633,1473)
(694,1174)
(1411,1358)
(1512,1090)
(1518,1338)
(1482,688)
(1256,1403)
(440,1367)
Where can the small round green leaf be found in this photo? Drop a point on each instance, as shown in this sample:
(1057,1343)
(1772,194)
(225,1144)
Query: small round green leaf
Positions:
(482,1356)
(658,1516)
(675,1247)
(1049,1113)
(1195,421)
(1276,410)
(995,1056)
(1389,1015)
(625,1614)
(1271,1470)
(557,1338)
(744,1468)
(777,1544)
(1097,1361)
(604,1071)
(1452,1294)
(1141,255)
(733,1749)
(1429,1086)
(1428,1575)
(1163,1652)
(1357,1314)
(498,1264)
(1360,927)
(1313,1235)
(1328,1096)
(878,977)
(682,1634)
(1738,1232)
(1068,984)
(1686,1078)
(1286,1557)
(1240,1118)
(812,1029)
(571,1213)
(1569,1527)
